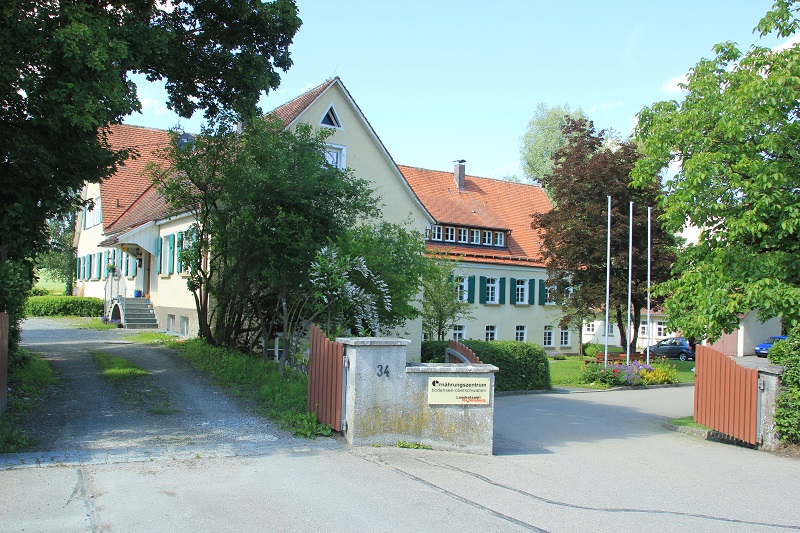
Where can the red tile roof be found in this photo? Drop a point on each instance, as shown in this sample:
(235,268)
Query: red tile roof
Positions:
(125,188)
(484,203)
(289,111)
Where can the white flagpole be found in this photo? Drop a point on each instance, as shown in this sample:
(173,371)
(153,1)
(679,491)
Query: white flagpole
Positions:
(608,279)
(649,248)
(630,268)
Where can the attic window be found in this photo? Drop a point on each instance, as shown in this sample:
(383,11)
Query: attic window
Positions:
(331,119)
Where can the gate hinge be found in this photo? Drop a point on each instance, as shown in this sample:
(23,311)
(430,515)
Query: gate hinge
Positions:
(344,425)
(345,362)
(761,384)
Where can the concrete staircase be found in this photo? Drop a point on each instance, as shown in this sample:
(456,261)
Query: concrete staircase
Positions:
(139,313)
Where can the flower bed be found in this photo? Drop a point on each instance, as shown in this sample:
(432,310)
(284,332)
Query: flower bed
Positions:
(634,374)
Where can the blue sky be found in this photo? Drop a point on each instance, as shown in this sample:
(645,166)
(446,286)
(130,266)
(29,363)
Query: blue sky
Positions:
(441,80)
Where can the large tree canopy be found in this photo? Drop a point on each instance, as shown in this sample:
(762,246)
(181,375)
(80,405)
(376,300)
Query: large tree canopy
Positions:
(735,137)
(586,170)
(543,137)
(64,67)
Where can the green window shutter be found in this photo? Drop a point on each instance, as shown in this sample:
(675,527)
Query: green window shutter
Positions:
(180,249)
(99,269)
(158,255)
(105,264)
(471,289)
(482,290)
(512,291)
(84,217)
(503,291)
(78,274)
(134,265)
(171,255)
(542,292)
(125,260)
(531,291)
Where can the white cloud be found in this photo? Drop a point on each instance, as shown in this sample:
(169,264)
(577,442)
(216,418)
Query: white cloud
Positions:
(153,106)
(671,85)
(793,40)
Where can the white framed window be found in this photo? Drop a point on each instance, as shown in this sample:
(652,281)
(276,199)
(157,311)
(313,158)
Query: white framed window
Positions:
(487,238)
(643,329)
(462,289)
(459,332)
(549,298)
(475,236)
(547,337)
(450,234)
(610,329)
(661,329)
(521,291)
(93,215)
(463,235)
(564,340)
(520,333)
(589,327)
(492,290)
(499,238)
(436,233)
(335,155)
(491,333)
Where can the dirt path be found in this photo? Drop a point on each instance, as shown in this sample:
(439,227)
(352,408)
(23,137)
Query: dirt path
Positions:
(173,408)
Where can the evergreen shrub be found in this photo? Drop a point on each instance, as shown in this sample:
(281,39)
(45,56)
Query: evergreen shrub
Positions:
(522,365)
(787,405)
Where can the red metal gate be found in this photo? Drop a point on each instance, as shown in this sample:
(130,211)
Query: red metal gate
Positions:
(726,395)
(466,352)
(325,379)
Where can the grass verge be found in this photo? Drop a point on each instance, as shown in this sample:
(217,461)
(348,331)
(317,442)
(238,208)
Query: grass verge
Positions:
(134,384)
(28,379)
(282,398)
(688,422)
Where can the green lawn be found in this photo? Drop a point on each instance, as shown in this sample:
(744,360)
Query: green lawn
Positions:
(566,373)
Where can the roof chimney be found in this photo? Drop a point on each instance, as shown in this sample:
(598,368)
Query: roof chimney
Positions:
(458,174)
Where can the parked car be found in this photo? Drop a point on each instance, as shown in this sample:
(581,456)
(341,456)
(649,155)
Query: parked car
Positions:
(673,348)
(763,348)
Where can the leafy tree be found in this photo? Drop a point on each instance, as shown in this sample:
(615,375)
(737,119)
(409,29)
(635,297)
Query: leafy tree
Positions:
(265,202)
(59,259)
(543,137)
(441,309)
(64,70)
(734,138)
(587,169)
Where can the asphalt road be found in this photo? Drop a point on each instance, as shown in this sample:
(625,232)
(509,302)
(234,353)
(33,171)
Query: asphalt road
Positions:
(589,461)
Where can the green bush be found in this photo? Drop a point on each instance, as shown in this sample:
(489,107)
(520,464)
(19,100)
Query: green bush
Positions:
(63,306)
(787,404)
(522,365)
(39,291)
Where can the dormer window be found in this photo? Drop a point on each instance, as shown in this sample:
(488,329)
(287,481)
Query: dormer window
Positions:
(436,233)
(331,119)
(475,237)
(499,238)
(450,234)
(463,235)
(487,238)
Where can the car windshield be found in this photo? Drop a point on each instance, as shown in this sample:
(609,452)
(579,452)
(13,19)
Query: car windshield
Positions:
(771,340)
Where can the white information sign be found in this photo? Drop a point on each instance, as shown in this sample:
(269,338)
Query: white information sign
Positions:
(458,391)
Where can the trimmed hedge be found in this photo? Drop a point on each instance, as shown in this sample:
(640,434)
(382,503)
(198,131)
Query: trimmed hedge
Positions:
(787,404)
(522,365)
(63,306)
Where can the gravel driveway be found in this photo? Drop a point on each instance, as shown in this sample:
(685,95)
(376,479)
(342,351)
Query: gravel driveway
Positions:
(174,410)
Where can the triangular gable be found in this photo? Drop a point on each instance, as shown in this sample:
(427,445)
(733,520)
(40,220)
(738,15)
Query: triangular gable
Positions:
(291,113)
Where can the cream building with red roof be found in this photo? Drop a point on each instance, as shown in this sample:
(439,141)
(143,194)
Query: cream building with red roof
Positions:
(484,223)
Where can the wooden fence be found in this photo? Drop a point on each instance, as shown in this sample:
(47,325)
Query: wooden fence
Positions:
(3,362)
(726,395)
(463,350)
(325,385)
